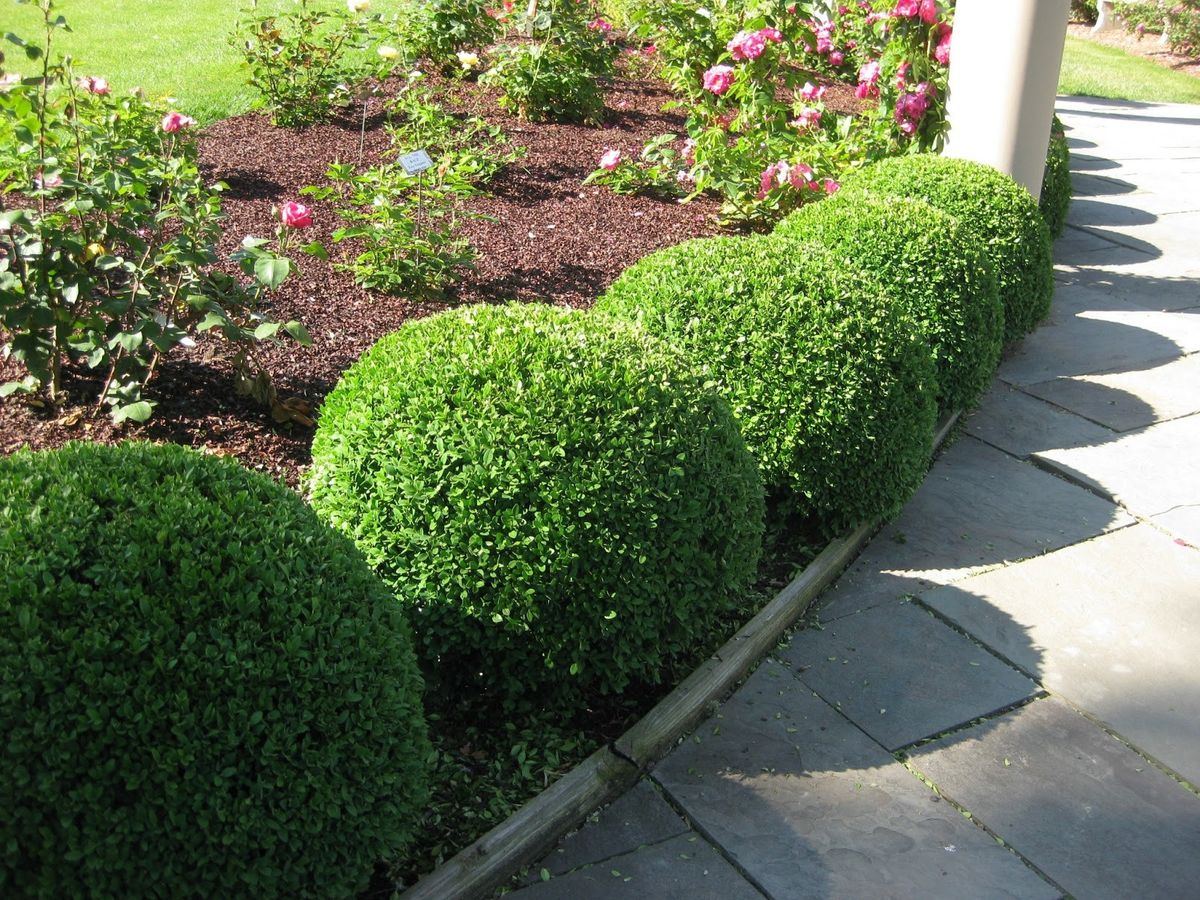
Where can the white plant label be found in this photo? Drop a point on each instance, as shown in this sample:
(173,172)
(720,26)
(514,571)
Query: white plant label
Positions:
(415,162)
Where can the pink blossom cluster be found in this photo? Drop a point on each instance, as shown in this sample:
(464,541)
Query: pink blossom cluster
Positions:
(927,10)
(811,93)
(600,24)
(807,117)
(825,40)
(868,80)
(911,108)
(93,85)
(799,175)
(718,79)
(941,52)
(748,45)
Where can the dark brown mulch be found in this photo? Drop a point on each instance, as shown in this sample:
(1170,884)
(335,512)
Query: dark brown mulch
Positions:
(551,240)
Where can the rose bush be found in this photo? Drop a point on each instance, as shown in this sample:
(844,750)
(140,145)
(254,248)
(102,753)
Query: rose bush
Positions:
(106,256)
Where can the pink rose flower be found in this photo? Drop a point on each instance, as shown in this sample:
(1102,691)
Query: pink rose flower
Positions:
(812,93)
(295,215)
(610,159)
(831,186)
(718,79)
(649,49)
(747,45)
(800,176)
(906,9)
(174,121)
(806,118)
(928,11)
(600,24)
(774,175)
(93,85)
(868,72)
(836,57)
(770,34)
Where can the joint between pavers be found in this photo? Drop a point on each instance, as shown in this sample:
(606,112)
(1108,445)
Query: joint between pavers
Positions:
(958,629)
(904,761)
(735,863)
(1132,747)
(975,722)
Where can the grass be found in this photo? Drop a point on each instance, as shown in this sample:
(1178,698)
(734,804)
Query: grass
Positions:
(1095,70)
(178,50)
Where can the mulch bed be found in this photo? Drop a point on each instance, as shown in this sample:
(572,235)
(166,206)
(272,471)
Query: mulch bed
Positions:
(550,239)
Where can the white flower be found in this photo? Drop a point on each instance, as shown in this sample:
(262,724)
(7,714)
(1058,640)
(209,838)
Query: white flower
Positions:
(357,6)
(388,52)
(467,59)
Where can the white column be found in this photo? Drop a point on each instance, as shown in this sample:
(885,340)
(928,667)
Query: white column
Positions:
(1004,62)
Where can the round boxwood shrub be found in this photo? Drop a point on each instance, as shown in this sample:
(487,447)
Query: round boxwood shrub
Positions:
(563,505)
(205,691)
(925,261)
(1002,218)
(832,385)
(1056,183)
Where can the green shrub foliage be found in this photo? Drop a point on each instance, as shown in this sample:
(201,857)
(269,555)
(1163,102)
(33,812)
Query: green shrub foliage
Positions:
(832,385)
(205,691)
(926,262)
(560,502)
(1002,218)
(1056,183)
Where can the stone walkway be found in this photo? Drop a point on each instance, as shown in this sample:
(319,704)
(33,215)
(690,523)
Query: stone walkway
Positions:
(1001,697)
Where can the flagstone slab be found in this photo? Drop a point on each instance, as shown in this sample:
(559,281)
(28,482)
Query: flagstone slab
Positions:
(1133,286)
(1124,401)
(682,868)
(1151,471)
(1111,624)
(809,807)
(1093,815)
(1088,331)
(636,819)
(978,507)
(1015,422)
(901,675)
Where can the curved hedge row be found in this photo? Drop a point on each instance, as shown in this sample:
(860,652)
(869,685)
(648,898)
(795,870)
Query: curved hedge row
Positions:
(928,265)
(1000,215)
(1055,199)
(832,385)
(205,691)
(559,501)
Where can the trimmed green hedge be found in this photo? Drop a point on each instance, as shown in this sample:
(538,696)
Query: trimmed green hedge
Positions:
(926,262)
(1056,183)
(205,691)
(832,385)
(561,503)
(999,213)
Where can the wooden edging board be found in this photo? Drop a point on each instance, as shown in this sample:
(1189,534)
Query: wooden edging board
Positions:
(533,830)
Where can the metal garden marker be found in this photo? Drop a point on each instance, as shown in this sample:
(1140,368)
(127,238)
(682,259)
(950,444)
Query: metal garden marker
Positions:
(416,163)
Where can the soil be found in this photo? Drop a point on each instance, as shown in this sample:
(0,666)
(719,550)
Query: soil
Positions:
(548,239)
(1147,47)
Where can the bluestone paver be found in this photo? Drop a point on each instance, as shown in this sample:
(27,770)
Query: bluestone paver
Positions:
(1152,471)
(1013,421)
(1093,815)
(1088,331)
(978,507)
(685,867)
(1110,624)
(1124,400)
(809,807)
(901,675)
(638,818)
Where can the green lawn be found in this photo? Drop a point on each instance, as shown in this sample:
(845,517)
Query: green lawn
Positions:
(1099,71)
(174,49)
